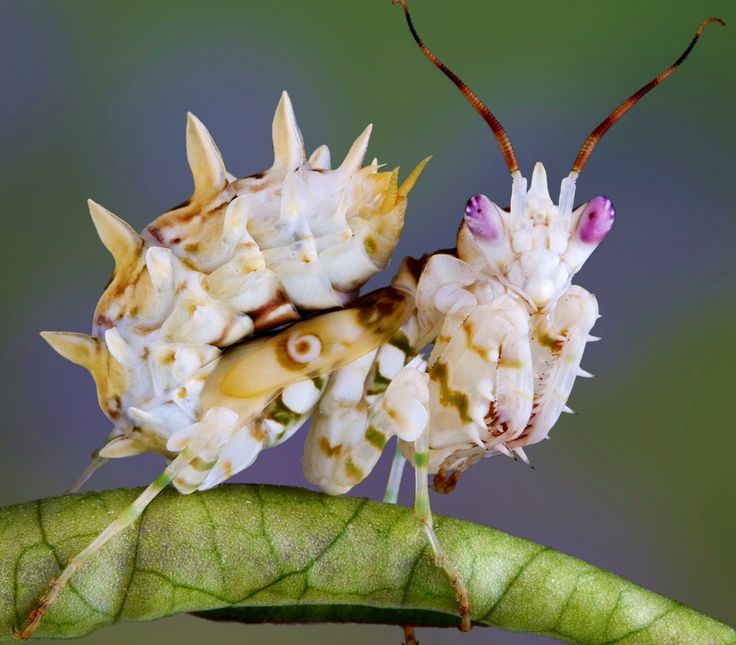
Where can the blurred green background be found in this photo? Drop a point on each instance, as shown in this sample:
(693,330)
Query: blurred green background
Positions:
(94,96)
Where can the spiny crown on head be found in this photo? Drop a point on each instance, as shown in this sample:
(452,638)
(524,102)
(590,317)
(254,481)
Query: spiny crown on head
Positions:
(536,245)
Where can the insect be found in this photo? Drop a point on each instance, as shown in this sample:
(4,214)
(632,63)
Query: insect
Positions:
(203,349)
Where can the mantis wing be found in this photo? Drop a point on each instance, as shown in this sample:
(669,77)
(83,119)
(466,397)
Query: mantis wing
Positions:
(311,348)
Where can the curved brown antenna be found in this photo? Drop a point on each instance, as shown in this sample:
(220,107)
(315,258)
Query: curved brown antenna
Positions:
(501,137)
(592,141)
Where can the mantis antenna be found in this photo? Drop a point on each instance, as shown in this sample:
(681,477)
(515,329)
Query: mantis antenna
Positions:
(592,141)
(501,137)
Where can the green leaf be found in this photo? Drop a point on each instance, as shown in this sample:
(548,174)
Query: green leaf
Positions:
(271,554)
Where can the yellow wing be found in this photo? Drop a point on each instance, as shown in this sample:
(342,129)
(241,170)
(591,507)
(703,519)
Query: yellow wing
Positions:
(312,347)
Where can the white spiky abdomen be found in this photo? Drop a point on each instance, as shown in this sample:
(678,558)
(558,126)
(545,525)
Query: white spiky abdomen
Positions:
(240,256)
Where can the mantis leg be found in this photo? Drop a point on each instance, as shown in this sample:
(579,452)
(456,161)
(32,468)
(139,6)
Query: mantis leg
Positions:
(424,514)
(125,518)
(394,479)
(404,411)
(94,465)
(97,461)
(200,441)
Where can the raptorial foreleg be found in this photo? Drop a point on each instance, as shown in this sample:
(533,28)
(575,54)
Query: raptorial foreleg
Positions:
(481,387)
(558,341)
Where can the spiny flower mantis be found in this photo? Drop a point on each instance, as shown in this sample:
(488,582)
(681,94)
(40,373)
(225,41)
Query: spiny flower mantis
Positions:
(244,257)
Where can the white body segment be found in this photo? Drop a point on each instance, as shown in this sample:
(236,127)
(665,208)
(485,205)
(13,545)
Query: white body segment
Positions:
(240,257)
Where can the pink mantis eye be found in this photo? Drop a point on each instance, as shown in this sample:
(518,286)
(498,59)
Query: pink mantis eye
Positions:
(482,218)
(596,220)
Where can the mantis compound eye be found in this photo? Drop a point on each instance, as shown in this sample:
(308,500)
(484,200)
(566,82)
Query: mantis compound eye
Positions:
(596,220)
(483,219)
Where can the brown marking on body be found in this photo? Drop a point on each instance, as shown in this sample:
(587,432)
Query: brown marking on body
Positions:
(224,334)
(329,450)
(550,342)
(113,406)
(283,356)
(370,245)
(491,417)
(155,233)
(354,472)
(439,373)
(376,309)
(181,392)
(101,320)
(263,317)
(145,329)
(257,188)
(302,345)
(509,363)
(445,482)
(469,329)
(126,277)
(257,432)
(227,468)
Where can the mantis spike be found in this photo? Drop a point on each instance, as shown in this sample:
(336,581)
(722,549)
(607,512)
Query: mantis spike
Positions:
(120,350)
(539,189)
(320,158)
(568,410)
(392,192)
(503,450)
(117,235)
(582,373)
(354,158)
(80,349)
(288,145)
(160,267)
(413,177)
(205,161)
(522,455)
